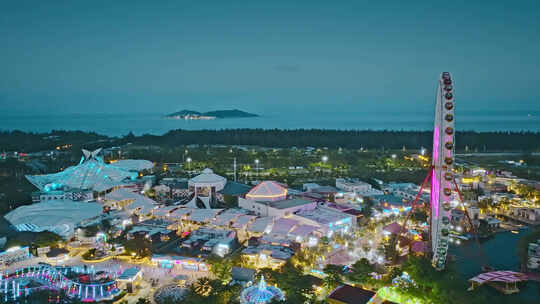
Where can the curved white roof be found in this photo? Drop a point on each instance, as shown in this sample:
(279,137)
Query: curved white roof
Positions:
(133,164)
(267,191)
(139,203)
(58,216)
(90,174)
(208,179)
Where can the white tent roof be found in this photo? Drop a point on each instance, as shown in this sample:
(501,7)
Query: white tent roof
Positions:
(139,202)
(133,164)
(261,224)
(58,216)
(208,179)
(203,215)
(90,174)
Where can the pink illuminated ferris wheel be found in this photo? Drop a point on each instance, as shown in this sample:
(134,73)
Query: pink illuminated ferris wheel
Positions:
(442,166)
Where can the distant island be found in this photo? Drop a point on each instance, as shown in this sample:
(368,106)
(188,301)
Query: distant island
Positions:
(189,114)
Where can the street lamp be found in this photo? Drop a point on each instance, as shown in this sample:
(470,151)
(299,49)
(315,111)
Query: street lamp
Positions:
(324,160)
(257,166)
(189,163)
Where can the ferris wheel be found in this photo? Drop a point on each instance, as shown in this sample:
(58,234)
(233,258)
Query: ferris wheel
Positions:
(442,176)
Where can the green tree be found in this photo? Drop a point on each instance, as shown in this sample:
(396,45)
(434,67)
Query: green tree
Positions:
(334,276)
(202,287)
(221,268)
(143,301)
(360,272)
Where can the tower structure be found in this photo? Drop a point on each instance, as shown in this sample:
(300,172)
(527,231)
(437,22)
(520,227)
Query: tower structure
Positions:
(442,174)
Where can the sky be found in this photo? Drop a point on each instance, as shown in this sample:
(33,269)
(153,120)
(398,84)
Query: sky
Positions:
(164,56)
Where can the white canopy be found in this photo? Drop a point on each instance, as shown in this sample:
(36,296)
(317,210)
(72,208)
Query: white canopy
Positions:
(208,179)
(58,216)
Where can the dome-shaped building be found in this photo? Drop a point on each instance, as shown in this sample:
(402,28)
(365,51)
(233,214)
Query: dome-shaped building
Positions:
(267,191)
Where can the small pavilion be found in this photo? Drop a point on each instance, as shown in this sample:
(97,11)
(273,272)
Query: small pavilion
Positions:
(204,188)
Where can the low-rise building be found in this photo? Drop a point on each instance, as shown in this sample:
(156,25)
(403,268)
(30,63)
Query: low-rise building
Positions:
(530,214)
(391,204)
(242,275)
(491,222)
(533,255)
(276,208)
(134,203)
(217,241)
(13,255)
(327,220)
(187,263)
(267,255)
(346,294)
(352,185)
(58,216)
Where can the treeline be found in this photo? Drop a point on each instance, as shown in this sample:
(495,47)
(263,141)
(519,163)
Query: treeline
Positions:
(466,140)
(480,141)
(34,142)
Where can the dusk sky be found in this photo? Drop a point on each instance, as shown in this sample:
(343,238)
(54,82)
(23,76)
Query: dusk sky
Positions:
(137,56)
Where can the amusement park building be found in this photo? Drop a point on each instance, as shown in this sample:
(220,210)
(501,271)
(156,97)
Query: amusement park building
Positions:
(126,199)
(13,255)
(346,294)
(352,185)
(92,173)
(58,216)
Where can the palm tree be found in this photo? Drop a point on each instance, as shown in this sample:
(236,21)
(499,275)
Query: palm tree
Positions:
(203,287)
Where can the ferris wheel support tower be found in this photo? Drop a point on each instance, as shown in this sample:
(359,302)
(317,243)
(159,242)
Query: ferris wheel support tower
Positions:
(442,175)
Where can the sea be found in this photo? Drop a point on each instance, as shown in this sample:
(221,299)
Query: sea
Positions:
(499,252)
(156,123)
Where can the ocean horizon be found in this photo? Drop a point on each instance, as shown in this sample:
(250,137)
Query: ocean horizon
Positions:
(157,124)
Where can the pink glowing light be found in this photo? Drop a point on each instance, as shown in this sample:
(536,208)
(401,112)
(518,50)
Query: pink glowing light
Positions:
(435,187)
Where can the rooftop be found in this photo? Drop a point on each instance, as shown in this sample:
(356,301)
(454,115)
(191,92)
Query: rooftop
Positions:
(261,224)
(203,215)
(235,189)
(348,294)
(91,173)
(325,189)
(282,226)
(289,203)
(54,252)
(208,178)
(388,198)
(267,191)
(242,221)
(323,215)
(139,203)
(129,273)
(58,216)
(228,216)
(133,164)
(242,274)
